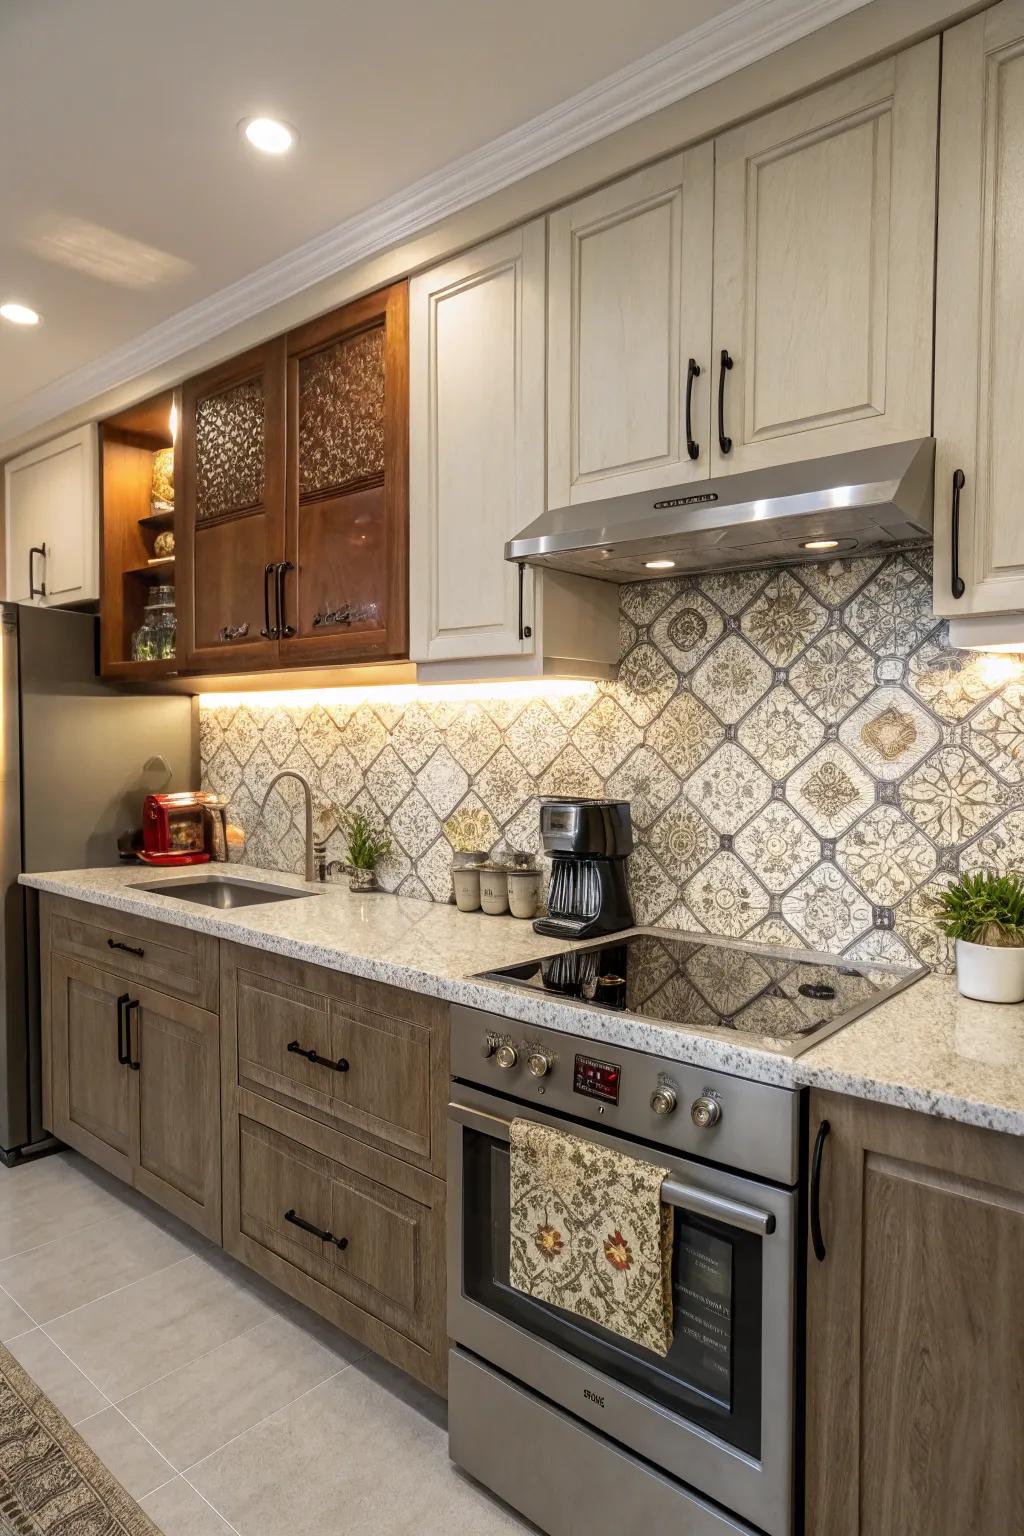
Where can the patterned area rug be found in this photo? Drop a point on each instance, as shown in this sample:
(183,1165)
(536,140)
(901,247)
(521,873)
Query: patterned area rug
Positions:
(51,1484)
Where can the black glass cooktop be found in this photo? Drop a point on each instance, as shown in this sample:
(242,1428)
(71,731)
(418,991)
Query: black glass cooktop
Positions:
(784,1001)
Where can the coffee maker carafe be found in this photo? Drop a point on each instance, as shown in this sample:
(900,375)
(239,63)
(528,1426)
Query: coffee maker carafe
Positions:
(589,842)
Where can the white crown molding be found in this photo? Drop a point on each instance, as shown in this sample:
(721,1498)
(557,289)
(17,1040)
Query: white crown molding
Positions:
(740,36)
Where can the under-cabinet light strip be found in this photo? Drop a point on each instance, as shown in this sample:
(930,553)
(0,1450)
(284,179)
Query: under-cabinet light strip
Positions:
(399,694)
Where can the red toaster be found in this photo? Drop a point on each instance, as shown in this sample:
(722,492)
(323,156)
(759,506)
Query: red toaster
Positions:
(174,829)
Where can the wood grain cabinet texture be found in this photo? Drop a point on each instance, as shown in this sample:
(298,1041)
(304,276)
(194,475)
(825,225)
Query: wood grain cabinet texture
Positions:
(292,494)
(790,259)
(333,1109)
(915,1392)
(979,335)
(131,1074)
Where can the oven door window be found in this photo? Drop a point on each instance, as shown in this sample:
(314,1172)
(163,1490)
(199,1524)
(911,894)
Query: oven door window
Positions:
(712,1373)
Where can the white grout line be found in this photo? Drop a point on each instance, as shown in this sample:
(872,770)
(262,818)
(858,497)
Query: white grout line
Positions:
(115,1291)
(172,1469)
(257,1422)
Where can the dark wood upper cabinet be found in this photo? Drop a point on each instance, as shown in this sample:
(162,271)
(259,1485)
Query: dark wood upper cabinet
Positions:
(294,497)
(232,461)
(345,592)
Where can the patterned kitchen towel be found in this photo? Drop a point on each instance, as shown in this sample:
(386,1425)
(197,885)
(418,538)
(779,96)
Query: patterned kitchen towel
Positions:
(589,1233)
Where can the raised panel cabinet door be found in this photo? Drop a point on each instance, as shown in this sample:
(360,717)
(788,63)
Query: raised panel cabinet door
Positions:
(230,482)
(175,1056)
(53,520)
(344,591)
(824,255)
(94,1093)
(979,322)
(476,446)
(915,1338)
(629,306)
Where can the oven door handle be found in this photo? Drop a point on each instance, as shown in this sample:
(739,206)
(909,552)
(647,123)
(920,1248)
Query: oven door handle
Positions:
(685,1197)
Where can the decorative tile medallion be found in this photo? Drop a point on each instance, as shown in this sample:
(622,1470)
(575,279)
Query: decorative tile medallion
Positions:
(807,760)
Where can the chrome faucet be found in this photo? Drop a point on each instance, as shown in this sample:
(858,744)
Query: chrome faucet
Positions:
(315,851)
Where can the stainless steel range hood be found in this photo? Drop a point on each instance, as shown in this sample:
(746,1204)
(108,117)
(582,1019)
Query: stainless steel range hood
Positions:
(870,500)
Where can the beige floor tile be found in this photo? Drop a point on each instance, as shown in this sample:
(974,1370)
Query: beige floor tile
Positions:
(137,1466)
(51,1199)
(13,1319)
(108,1254)
(179,1511)
(352,1456)
(125,1341)
(63,1384)
(197,1409)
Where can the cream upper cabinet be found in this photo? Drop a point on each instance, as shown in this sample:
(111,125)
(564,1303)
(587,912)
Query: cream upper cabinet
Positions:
(629,305)
(51,503)
(476,446)
(979,336)
(824,241)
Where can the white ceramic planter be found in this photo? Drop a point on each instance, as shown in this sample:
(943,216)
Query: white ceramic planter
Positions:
(990,972)
(524,892)
(466,881)
(494,889)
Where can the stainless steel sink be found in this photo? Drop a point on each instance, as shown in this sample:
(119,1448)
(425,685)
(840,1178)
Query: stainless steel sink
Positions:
(223,893)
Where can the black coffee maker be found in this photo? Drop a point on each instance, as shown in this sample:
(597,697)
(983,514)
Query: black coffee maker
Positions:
(589,842)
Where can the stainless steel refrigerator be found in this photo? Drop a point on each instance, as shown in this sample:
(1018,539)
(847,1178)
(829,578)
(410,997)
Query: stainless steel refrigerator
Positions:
(76,758)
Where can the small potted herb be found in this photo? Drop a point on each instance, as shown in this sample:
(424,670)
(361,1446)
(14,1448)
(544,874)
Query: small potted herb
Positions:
(366,847)
(984,913)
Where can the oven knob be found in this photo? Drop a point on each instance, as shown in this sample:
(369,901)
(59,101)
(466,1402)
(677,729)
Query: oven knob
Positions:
(506,1056)
(663,1101)
(705,1112)
(539,1063)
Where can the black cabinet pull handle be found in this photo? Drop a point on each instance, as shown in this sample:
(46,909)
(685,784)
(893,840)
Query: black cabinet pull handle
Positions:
(283,629)
(268,631)
(957,584)
(33,590)
(692,372)
(724,442)
(525,630)
(130,1003)
(129,949)
(817,1240)
(307,1226)
(341,1065)
(122,1053)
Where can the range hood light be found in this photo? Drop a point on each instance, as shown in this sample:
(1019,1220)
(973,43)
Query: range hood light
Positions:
(659,565)
(820,544)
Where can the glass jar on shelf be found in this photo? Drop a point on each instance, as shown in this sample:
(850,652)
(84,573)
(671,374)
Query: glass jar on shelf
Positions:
(155,638)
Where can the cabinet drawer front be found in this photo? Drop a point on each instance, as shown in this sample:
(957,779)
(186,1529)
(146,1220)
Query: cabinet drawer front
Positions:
(173,960)
(389,1238)
(373,1074)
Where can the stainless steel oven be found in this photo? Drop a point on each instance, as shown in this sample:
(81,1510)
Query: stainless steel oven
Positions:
(576,1426)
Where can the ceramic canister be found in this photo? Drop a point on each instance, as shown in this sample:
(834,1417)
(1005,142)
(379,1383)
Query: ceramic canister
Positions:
(494,889)
(466,881)
(524,892)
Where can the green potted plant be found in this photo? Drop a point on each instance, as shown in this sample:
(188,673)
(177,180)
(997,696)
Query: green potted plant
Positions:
(367,845)
(984,913)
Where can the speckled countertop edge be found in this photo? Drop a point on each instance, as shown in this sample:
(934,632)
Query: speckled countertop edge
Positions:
(926,1049)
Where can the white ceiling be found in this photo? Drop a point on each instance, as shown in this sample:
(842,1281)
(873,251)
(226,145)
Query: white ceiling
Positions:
(127,194)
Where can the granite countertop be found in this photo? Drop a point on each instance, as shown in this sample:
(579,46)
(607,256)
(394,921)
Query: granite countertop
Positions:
(927,1048)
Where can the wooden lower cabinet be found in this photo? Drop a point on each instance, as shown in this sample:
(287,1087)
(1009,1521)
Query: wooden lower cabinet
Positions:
(354,1234)
(134,1084)
(915,1390)
(334,1095)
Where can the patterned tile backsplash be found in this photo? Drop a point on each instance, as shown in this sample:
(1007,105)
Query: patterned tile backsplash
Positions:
(807,760)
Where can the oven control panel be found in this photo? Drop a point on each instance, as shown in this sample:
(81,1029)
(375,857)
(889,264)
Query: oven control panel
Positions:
(676,1104)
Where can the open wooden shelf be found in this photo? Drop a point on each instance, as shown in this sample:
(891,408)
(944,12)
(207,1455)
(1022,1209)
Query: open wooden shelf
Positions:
(158,521)
(130,527)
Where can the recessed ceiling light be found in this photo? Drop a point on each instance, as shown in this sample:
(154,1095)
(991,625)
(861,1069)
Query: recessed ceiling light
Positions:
(659,565)
(821,544)
(269,135)
(19,314)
